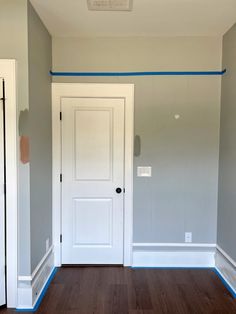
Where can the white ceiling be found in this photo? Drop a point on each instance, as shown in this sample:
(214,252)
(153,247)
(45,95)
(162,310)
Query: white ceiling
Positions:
(71,18)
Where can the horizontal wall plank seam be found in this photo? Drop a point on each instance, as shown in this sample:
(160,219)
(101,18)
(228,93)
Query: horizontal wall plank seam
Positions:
(145,73)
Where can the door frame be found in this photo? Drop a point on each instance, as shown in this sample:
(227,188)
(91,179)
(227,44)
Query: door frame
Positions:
(124,91)
(9,74)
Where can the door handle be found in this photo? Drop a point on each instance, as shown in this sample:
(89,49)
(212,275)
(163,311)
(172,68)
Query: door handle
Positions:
(118,190)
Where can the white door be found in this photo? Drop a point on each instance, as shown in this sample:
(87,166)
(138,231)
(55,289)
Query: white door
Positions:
(92,180)
(2,204)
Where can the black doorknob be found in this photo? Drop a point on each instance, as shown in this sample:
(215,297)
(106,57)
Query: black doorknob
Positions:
(118,190)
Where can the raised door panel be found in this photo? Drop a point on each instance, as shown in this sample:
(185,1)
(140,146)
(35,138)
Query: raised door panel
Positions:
(93,144)
(93,224)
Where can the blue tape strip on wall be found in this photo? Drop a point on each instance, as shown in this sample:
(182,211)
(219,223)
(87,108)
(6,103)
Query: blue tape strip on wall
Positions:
(158,73)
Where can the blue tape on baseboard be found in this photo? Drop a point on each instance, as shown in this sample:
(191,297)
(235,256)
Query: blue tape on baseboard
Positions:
(225,283)
(35,308)
(158,73)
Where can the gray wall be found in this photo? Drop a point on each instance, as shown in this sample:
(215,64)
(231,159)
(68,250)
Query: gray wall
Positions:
(14,42)
(24,38)
(40,55)
(182,194)
(227,166)
(14,45)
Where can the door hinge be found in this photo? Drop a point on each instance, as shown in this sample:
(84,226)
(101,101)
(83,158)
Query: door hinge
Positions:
(5,188)
(60,115)
(61,177)
(3,99)
(60,238)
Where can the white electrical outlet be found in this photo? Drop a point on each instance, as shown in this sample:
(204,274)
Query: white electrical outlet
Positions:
(144,171)
(188,237)
(110,5)
(47,244)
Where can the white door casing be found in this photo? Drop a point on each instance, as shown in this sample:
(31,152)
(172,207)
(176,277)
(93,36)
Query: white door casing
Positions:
(2,204)
(92,170)
(123,92)
(8,72)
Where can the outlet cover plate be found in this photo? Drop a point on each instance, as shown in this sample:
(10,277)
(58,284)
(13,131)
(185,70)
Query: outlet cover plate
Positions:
(144,171)
(188,237)
(110,5)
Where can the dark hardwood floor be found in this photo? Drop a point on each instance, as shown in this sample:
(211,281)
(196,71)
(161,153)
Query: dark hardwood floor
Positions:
(87,290)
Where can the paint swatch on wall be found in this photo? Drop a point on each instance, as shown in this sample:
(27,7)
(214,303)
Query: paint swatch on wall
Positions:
(24,149)
(137,146)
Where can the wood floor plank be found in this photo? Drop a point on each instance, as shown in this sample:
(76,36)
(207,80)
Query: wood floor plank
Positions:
(139,294)
(117,301)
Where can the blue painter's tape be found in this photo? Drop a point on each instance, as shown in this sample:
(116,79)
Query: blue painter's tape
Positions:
(35,308)
(225,283)
(224,71)
(159,73)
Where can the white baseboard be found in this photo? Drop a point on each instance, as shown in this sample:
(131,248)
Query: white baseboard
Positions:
(182,245)
(226,267)
(31,287)
(174,256)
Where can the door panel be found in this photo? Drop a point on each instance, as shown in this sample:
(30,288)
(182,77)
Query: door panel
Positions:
(92,169)
(88,231)
(88,140)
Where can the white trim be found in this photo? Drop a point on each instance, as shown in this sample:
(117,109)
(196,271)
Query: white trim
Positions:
(226,280)
(31,287)
(8,71)
(2,209)
(200,245)
(37,269)
(125,91)
(225,265)
(24,278)
(174,259)
(226,255)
